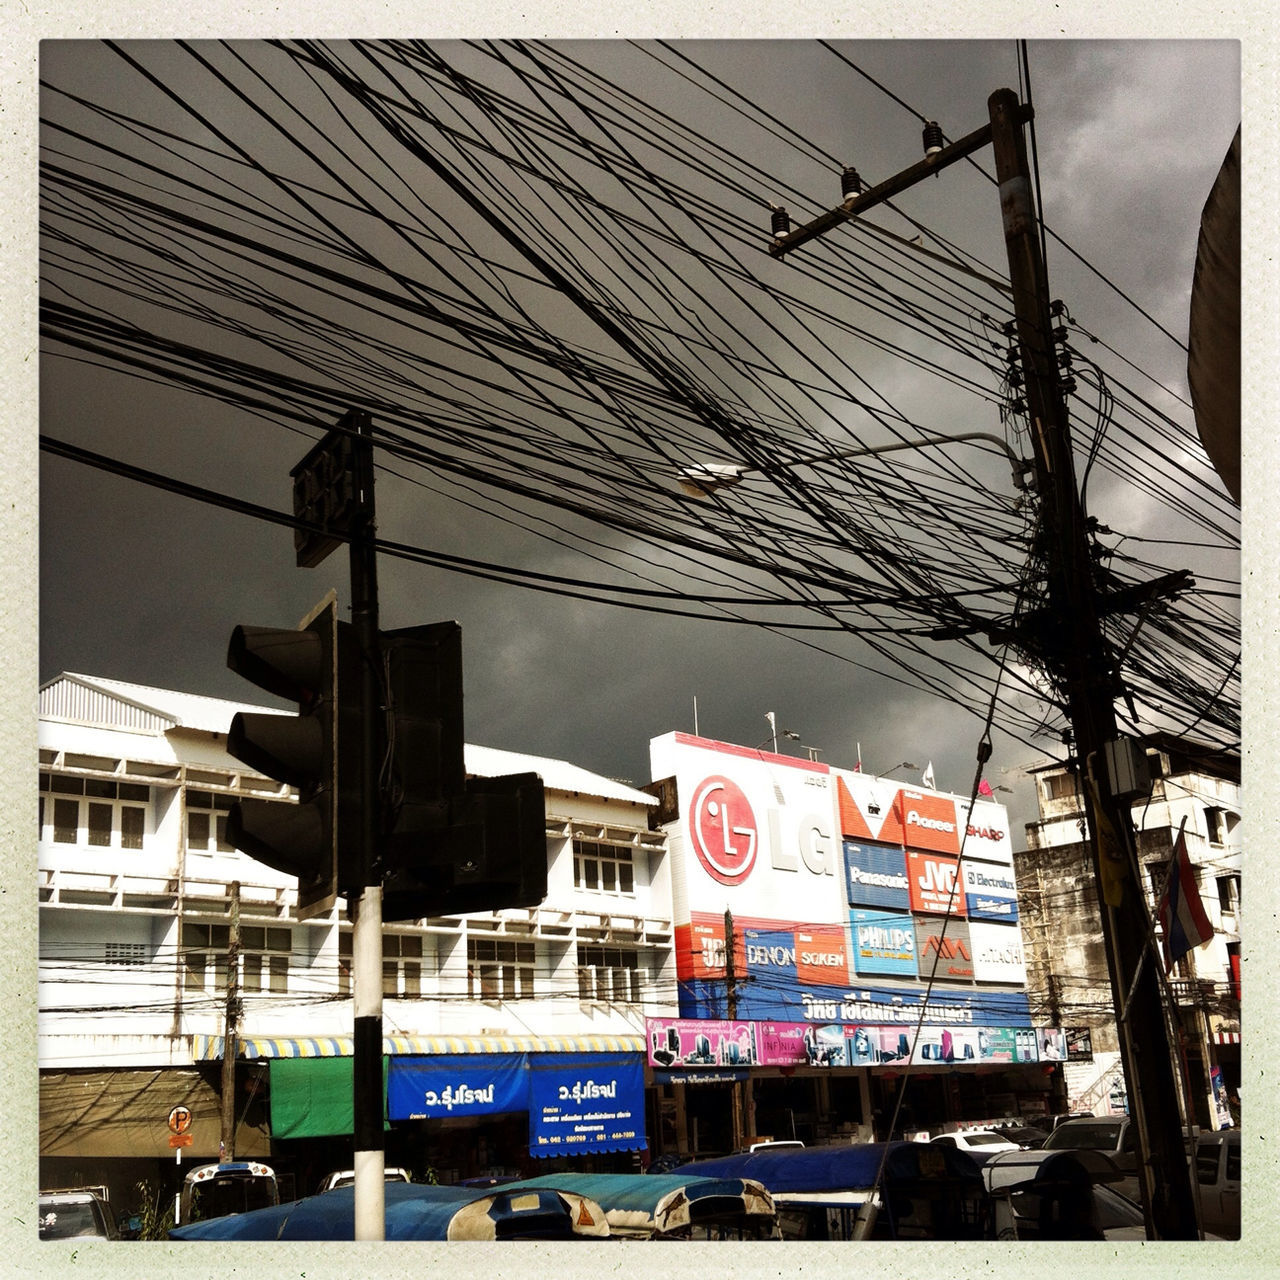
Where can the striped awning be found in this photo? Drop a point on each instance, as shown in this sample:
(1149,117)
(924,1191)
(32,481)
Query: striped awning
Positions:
(209,1048)
(1226,1037)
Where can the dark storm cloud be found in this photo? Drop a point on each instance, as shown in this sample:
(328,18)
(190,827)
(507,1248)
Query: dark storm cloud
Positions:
(144,586)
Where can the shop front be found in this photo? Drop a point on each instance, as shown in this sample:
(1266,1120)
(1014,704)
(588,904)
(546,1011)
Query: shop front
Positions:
(460,1107)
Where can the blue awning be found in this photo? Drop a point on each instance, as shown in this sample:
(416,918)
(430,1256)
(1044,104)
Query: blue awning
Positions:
(583,1103)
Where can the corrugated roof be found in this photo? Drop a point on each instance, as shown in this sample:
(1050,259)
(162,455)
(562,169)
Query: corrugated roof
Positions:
(95,699)
(556,775)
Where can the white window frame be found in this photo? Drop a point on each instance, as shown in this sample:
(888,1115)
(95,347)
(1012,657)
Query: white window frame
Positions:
(612,867)
(500,970)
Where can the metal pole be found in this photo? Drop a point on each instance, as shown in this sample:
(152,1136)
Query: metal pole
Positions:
(230,1049)
(1085,670)
(366,943)
(731,1000)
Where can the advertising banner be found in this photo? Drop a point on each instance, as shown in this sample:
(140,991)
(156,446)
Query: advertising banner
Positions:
(944,955)
(932,884)
(1079,1044)
(987,833)
(701,1042)
(921,820)
(946,1045)
(1053,1044)
(883,942)
(876,876)
(770,955)
(758,832)
(429,1088)
(585,1103)
(1006,1044)
(998,955)
(990,893)
(782,1044)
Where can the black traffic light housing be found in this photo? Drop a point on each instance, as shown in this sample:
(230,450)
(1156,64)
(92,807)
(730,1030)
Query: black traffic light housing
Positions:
(317,751)
(490,854)
(449,844)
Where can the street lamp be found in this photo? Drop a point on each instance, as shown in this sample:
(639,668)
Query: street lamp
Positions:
(702,478)
(906,764)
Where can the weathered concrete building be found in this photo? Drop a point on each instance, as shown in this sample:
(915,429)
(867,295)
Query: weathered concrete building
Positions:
(1067,976)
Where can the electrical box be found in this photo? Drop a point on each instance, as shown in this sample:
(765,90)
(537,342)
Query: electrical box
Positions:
(1128,772)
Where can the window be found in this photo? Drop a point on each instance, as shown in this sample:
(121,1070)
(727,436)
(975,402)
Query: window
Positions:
(1060,786)
(608,868)
(264,958)
(1229,894)
(207,822)
(204,955)
(401,964)
(498,970)
(98,811)
(608,975)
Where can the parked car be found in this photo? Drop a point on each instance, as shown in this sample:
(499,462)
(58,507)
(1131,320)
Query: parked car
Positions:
(230,1186)
(1113,1134)
(1217,1182)
(1060,1195)
(977,1142)
(67,1214)
(1027,1137)
(347,1178)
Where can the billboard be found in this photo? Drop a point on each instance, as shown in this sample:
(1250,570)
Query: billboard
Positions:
(944,954)
(932,885)
(998,955)
(756,834)
(990,892)
(883,942)
(876,876)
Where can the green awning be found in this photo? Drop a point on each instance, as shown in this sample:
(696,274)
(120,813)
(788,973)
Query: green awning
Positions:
(312,1097)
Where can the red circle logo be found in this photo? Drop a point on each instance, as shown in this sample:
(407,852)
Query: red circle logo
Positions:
(723,825)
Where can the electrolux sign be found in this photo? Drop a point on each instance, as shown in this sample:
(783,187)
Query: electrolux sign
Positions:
(990,893)
(876,876)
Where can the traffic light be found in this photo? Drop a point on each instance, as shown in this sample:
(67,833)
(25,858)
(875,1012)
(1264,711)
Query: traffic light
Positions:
(424,761)
(317,751)
(492,853)
(448,843)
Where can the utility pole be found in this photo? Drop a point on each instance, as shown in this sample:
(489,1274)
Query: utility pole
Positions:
(227,1135)
(1084,667)
(731,1003)
(366,941)
(1071,646)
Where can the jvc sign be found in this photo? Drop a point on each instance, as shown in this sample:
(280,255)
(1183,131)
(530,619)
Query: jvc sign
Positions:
(932,883)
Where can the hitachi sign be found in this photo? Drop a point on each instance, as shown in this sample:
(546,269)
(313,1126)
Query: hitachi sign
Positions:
(917,819)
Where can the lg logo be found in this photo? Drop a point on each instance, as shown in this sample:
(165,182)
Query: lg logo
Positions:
(725,834)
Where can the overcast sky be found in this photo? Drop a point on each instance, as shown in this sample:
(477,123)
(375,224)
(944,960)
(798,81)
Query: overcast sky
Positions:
(140,585)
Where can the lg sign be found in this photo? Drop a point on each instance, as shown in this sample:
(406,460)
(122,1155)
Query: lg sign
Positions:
(726,837)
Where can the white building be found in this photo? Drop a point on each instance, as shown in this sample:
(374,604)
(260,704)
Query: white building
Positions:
(1066,960)
(137,883)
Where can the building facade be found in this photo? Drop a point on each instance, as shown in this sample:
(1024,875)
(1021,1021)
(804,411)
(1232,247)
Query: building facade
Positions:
(849,955)
(487,1017)
(1193,790)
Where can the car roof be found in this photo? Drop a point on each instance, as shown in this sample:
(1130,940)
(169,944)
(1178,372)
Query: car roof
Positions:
(1012,1167)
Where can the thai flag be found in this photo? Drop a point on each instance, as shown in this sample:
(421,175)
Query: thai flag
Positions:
(1182,915)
